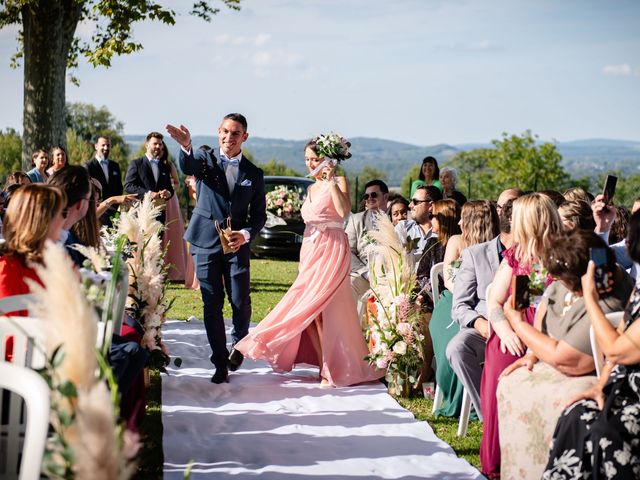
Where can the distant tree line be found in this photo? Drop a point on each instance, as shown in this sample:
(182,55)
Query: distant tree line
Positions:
(514,161)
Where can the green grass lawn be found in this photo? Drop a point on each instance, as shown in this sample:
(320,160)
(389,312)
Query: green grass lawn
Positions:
(270,279)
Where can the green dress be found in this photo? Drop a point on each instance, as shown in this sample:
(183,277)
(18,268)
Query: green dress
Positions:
(416,183)
(442,329)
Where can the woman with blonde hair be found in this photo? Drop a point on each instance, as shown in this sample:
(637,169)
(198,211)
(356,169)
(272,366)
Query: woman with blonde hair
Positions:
(479,223)
(535,220)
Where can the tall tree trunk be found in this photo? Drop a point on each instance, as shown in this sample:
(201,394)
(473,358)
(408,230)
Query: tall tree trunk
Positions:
(48,30)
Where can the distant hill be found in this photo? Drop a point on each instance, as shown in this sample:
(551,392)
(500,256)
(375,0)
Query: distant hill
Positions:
(580,157)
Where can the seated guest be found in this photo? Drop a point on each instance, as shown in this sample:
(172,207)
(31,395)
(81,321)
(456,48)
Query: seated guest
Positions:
(40,162)
(577,214)
(33,216)
(445,223)
(417,229)
(19,178)
(478,224)
(597,434)
(448,180)
(604,216)
(74,181)
(479,263)
(559,356)
(358,224)
(535,220)
(620,225)
(398,210)
(577,193)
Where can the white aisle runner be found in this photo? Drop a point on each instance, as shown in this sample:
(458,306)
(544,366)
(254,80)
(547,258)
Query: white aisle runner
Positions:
(276,426)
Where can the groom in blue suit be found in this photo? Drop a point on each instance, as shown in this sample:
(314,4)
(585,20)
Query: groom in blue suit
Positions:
(232,187)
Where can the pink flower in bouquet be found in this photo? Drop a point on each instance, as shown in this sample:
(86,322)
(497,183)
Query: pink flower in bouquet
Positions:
(406,330)
(279,202)
(382,363)
(404,306)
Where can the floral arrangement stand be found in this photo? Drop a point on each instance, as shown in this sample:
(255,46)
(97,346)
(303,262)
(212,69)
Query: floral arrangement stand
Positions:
(395,332)
(284,202)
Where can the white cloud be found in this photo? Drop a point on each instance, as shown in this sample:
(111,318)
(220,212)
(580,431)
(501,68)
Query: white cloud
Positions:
(275,58)
(621,70)
(258,40)
(477,46)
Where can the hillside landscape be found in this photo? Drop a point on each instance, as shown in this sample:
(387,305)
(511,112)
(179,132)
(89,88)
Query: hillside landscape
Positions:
(581,158)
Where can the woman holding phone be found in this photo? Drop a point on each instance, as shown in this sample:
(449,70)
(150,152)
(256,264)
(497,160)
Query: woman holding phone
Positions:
(597,434)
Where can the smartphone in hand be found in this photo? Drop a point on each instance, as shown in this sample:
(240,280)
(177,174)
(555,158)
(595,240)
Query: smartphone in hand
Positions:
(603,275)
(609,189)
(520,292)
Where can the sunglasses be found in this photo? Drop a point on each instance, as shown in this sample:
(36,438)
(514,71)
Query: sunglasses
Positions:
(367,195)
(418,202)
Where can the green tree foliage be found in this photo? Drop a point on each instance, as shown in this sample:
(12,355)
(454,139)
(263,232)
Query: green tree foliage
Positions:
(515,161)
(273,167)
(10,152)
(48,44)
(85,123)
(518,162)
(409,178)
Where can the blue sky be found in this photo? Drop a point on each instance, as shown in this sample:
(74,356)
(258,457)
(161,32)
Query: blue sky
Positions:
(417,71)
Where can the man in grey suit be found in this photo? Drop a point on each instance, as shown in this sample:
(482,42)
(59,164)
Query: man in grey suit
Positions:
(479,263)
(376,194)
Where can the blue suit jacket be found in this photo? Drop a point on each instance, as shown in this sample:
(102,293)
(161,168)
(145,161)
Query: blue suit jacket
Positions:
(246,206)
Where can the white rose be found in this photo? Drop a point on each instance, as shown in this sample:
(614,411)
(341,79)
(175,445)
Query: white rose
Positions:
(400,348)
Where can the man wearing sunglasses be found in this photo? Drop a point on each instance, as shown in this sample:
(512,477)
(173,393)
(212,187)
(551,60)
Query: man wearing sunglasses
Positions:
(376,194)
(418,228)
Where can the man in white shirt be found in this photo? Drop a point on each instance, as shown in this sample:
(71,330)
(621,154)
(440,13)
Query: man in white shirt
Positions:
(229,189)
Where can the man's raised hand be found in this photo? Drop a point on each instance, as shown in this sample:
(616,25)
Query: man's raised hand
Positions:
(179,134)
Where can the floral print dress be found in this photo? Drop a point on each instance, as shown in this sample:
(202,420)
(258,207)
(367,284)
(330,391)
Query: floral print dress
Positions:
(589,443)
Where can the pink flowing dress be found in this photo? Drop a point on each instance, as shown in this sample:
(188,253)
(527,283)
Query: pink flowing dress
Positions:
(286,335)
(173,233)
(494,363)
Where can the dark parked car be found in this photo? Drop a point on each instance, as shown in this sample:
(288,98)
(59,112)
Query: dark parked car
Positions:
(282,240)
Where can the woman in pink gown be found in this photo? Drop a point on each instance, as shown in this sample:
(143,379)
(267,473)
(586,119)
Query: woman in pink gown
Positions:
(177,255)
(316,321)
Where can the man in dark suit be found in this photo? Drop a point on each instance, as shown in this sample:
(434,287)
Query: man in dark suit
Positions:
(107,172)
(233,188)
(149,174)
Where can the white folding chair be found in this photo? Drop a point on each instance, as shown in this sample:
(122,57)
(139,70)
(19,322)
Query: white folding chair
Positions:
(436,272)
(16,303)
(22,456)
(598,357)
(115,304)
(28,341)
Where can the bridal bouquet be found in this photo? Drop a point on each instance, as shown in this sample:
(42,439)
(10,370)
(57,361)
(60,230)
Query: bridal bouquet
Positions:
(332,146)
(284,202)
(395,323)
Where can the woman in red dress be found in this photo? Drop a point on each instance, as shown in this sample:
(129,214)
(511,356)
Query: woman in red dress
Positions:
(33,216)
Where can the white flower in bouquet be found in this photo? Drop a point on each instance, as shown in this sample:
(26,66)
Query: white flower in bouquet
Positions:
(400,348)
(395,322)
(333,146)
